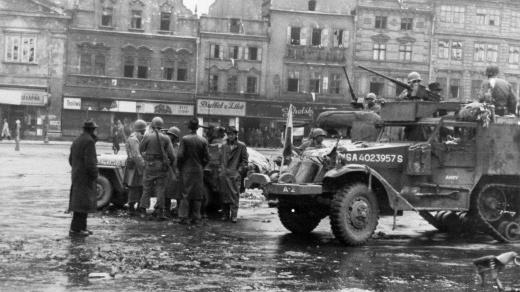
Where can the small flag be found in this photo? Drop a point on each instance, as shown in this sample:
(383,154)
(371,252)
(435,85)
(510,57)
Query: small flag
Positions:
(287,146)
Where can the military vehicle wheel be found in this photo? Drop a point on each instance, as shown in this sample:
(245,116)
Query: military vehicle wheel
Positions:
(297,218)
(104,191)
(354,214)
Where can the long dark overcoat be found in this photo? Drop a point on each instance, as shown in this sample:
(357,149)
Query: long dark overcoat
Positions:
(83,194)
(193,157)
(234,160)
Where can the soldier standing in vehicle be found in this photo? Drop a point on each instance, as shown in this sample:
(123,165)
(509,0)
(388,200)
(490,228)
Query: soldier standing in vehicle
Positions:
(234,164)
(173,187)
(83,192)
(134,166)
(499,92)
(414,80)
(315,141)
(157,151)
(193,157)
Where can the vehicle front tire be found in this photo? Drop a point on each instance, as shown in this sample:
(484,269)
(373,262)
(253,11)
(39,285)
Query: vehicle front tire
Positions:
(354,214)
(104,191)
(297,218)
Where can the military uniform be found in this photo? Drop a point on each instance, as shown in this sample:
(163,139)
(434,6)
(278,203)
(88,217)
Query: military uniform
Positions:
(501,93)
(134,168)
(156,167)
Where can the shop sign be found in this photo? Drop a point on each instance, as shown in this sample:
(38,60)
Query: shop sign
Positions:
(166,109)
(221,108)
(73,103)
(19,97)
(301,112)
(123,106)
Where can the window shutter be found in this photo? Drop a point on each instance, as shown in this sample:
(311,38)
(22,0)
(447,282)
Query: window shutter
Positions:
(221,52)
(259,54)
(211,51)
(346,38)
(303,36)
(325,84)
(246,56)
(325,37)
(240,49)
(289,35)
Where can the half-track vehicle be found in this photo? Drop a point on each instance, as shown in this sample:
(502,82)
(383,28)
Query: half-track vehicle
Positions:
(426,159)
(110,182)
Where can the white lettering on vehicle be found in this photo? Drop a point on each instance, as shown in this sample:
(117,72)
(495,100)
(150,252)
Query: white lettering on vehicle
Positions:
(452,177)
(374,157)
(288,190)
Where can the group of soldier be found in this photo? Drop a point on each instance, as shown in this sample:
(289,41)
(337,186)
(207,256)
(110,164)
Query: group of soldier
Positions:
(164,164)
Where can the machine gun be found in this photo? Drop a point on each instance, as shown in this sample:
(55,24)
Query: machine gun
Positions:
(354,102)
(420,93)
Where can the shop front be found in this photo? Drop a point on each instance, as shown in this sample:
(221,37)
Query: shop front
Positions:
(109,112)
(30,107)
(220,112)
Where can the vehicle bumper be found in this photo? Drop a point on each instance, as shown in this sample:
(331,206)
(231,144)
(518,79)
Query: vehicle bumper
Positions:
(293,189)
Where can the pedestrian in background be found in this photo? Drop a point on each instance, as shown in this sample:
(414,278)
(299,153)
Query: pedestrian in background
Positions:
(157,151)
(5,130)
(234,165)
(83,192)
(134,166)
(115,138)
(193,157)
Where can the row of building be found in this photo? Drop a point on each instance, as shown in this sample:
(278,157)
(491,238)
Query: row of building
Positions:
(242,63)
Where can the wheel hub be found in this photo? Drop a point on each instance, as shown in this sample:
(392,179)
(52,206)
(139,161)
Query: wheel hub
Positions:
(493,204)
(100,191)
(359,213)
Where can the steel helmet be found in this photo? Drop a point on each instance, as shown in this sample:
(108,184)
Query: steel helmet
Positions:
(414,76)
(139,125)
(318,132)
(174,131)
(492,70)
(371,95)
(157,122)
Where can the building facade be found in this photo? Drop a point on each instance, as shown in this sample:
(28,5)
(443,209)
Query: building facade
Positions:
(468,36)
(393,38)
(129,59)
(33,34)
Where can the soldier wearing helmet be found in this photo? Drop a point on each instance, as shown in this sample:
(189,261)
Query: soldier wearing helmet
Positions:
(498,92)
(157,151)
(315,141)
(172,182)
(134,165)
(414,80)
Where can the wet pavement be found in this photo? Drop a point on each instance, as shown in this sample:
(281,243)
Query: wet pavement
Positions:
(256,254)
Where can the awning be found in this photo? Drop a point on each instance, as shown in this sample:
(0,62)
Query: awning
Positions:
(23,97)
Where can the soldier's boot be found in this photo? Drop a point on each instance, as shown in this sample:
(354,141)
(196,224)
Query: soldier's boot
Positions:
(161,215)
(167,208)
(142,212)
(131,209)
(225,213)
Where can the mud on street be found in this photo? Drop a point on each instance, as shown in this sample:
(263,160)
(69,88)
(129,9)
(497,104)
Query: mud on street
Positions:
(257,254)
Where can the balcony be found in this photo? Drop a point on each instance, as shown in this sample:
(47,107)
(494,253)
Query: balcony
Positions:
(315,54)
(128,83)
(233,26)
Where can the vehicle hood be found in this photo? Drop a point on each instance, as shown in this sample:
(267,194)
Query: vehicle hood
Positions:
(347,145)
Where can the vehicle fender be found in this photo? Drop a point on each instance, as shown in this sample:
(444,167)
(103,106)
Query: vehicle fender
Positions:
(115,175)
(396,201)
(256,179)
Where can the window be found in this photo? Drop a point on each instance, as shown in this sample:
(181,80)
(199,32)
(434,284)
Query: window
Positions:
(251,84)
(20,48)
(314,82)
(475,88)
(213,83)
(106,16)
(377,87)
(454,88)
(405,52)
(168,66)
(234,52)
(252,54)
(136,19)
(381,22)
(452,14)
(216,51)
(492,53)
(128,67)
(232,83)
(312,5)
(444,49)
(295,35)
(335,83)
(341,38)
(99,65)
(165,21)
(514,53)
(182,71)
(142,68)
(316,36)
(379,51)
(293,82)
(488,17)
(406,23)
(515,19)
(456,50)
(480,52)
(234,25)
(85,63)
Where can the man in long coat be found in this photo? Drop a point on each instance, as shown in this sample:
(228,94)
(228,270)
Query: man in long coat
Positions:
(234,162)
(193,157)
(134,165)
(83,193)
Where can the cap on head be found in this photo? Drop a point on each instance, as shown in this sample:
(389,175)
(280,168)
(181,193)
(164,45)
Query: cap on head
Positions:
(174,131)
(231,129)
(492,70)
(371,95)
(414,76)
(157,122)
(193,124)
(435,87)
(139,125)
(89,124)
